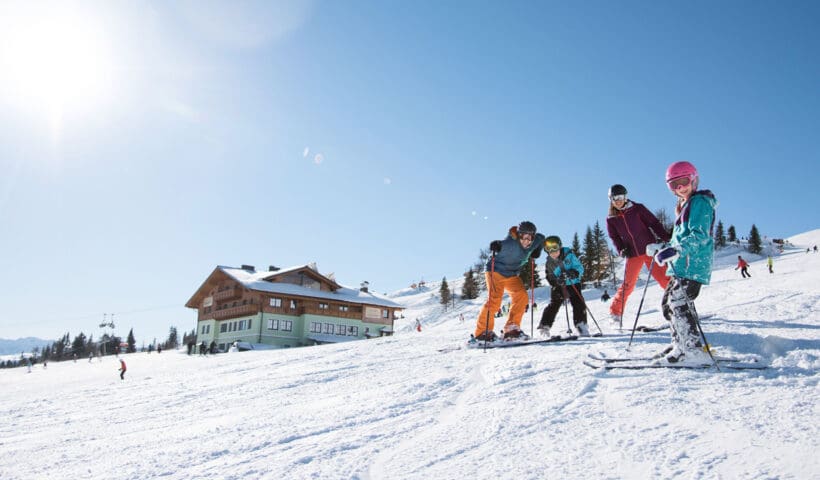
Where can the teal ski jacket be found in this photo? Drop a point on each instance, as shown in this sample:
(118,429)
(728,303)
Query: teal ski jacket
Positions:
(692,236)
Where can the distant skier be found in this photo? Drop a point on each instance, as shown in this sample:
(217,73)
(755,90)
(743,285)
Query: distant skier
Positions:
(743,265)
(122,369)
(689,260)
(605,296)
(564,272)
(418,325)
(636,234)
(770,264)
(508,257)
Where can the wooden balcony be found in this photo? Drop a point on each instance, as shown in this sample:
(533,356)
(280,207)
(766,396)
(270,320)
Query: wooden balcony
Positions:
(228,294)
(240,311)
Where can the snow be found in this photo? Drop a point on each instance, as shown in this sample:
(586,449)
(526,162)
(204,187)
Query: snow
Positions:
(398,408)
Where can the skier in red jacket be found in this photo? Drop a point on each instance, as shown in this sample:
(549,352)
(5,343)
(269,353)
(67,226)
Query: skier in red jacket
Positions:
(122,369)
(743,265)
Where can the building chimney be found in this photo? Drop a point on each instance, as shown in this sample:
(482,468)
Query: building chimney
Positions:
(364,286)
(273,268)
(249,268)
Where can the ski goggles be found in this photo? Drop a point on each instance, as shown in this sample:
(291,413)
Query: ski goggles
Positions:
(552,247)
(679,182)
(618,198)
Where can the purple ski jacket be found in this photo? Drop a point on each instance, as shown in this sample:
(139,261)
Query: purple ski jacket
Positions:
(633,228)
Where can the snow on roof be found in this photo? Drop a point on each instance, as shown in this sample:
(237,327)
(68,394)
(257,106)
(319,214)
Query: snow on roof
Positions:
(254,281)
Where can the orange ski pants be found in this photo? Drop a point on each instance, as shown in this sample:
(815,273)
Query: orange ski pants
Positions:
(496,285)
(633,269)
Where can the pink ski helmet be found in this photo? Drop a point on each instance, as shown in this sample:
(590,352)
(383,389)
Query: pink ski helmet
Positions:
(682,169)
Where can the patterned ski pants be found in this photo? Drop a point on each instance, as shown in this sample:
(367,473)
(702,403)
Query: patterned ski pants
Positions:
(679,309)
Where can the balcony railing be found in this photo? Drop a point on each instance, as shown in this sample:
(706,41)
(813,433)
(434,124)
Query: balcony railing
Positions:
(239,311)
(228,294)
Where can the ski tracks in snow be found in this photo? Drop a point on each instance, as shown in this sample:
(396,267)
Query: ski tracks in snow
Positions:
(426,444)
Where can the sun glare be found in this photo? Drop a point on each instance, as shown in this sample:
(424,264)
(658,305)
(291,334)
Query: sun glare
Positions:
(60,64)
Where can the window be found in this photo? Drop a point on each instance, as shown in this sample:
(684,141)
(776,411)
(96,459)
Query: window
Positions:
(273,324)
(276,302)
(315,327)
(329,328)
(385,313)
(285,325)
(242,325)
(353,331)
(203,329)
(341,329)
(343,308)
(323,306)
(249,324)
(223,328)
(293,304)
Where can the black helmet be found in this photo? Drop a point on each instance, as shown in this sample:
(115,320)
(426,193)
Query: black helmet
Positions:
(552,243)
(617,189)
(526,227)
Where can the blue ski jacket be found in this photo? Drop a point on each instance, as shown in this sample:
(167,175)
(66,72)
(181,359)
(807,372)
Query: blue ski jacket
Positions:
(692,236)
(513,256)
(567,260)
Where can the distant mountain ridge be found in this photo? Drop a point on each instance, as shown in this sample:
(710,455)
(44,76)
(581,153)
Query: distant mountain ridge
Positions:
(11,347)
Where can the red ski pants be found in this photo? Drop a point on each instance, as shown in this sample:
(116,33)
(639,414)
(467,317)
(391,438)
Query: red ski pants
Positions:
(633,269)
(496,285)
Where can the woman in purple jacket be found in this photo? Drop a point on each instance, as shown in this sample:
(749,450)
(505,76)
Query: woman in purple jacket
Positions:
(632,228)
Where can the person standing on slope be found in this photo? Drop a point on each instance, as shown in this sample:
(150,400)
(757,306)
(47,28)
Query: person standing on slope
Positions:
(564,272)
(743,265)
(122,369)
(503,267)
(689,261)
(635,232)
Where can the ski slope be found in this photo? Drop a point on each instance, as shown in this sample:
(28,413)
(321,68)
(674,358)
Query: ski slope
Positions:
(398,408)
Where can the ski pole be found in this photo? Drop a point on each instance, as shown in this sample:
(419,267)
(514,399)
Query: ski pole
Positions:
(532,297)
(489,295)
(586,308)
(640,306)
(565,294)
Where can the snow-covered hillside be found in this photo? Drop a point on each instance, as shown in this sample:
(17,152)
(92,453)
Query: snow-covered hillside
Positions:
(399,408)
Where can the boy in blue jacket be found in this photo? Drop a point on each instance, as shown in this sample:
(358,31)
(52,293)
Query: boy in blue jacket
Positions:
(564,272)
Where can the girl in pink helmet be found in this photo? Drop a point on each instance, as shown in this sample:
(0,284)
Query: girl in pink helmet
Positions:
(689,262)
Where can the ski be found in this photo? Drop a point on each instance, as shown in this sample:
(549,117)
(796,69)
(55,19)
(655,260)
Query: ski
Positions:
(642,365)
(647,328)
(520,343)
(602,358)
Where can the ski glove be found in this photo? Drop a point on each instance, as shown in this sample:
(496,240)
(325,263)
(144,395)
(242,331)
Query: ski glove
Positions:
(668,254)
(536,253)
(572,273)
(653,248)
(622,253)
(495,246)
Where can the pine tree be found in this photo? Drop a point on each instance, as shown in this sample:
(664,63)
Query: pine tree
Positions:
(132,343)
(755,245)
(666,220)
(172,341)
(78,346)
(470,288)
(576,245)
(600,263)
(478,268)
(732,235)
(720,237)
(444,291)
(527,274)
(590,253)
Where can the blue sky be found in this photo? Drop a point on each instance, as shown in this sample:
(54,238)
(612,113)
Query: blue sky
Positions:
(142,144)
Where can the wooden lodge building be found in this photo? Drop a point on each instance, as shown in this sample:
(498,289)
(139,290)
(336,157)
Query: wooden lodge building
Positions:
(290,307)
